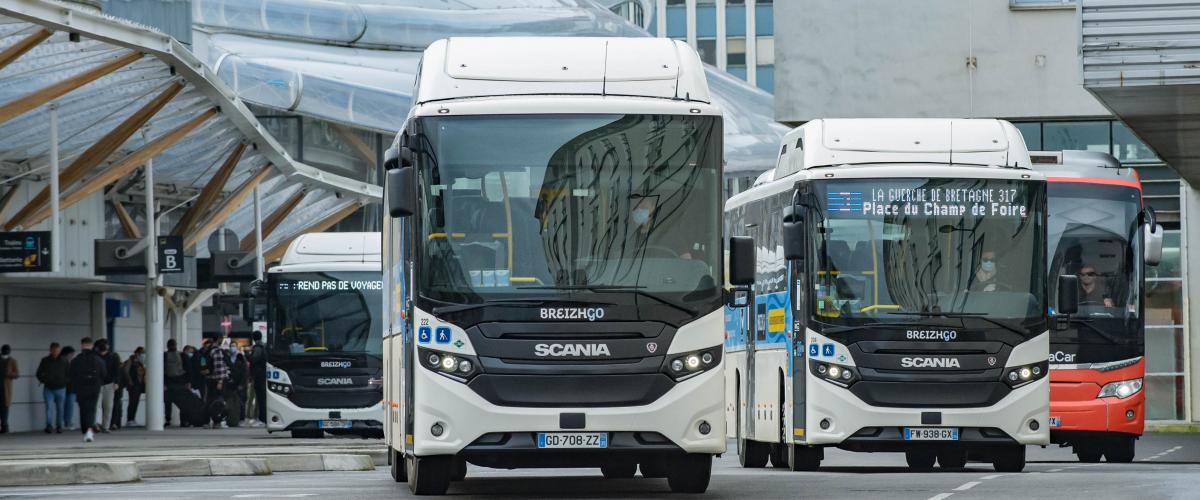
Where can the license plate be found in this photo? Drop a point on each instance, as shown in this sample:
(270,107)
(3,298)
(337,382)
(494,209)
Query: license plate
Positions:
(335,424)
(572,440)
(1055,422)
(931,434)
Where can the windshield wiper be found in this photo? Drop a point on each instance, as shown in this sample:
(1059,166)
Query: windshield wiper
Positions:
(1103,334)
(980,315)
(636,289)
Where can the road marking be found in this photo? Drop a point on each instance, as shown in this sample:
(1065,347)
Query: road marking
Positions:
(1054,470)
(274,495)
(967,486)
(993,476)
(940,496)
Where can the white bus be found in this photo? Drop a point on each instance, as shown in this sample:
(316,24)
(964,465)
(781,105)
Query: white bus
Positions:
(325,337)
(900,298)
(554,263)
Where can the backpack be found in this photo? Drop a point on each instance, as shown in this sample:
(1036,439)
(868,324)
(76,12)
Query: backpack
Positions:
(174,365)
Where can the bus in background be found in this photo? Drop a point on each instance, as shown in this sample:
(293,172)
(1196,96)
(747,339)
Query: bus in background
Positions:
(899,304)
(325,337)
(554,263)
(1100,231)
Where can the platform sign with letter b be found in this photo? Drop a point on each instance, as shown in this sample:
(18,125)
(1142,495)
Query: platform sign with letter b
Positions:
(170,254)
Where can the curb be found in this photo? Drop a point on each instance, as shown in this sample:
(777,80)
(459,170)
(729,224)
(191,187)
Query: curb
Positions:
(1172,427)
(52,474)
(324,462)
(191,467)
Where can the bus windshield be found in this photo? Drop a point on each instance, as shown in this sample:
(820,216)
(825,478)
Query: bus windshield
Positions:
(1094,234)
(895,250)
(322,313)
(530,206)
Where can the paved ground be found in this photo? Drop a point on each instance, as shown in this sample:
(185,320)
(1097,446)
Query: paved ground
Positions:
(1167,468)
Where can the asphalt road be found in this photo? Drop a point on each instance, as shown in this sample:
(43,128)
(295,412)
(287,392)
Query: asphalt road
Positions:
(1168,466)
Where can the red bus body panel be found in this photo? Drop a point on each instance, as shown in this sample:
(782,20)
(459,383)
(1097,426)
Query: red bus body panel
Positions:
(1074,403)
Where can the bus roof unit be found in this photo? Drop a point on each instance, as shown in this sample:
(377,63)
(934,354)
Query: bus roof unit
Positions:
(460,68)
(832,142)
(1083,166)
(324,248)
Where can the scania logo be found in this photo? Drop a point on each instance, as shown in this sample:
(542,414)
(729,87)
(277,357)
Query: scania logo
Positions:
(335,364)
(588,313)
(943,335)
(560,350)
(335,381)
(930,363)
(651,347)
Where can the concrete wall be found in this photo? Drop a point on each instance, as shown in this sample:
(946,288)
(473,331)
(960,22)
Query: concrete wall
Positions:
(826,67)
(32,318)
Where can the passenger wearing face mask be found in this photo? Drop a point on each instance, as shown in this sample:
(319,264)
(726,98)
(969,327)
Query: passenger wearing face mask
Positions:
(134,380)
(986,277)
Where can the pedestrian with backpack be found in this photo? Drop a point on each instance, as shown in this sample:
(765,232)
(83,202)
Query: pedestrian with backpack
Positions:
(175,376)
(87,376)
(134,380)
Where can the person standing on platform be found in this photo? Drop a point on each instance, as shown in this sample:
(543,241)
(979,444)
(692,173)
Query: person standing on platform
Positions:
(68,353)
(88,375)
(8,373)
(135,383)
(112,379)
(52,372)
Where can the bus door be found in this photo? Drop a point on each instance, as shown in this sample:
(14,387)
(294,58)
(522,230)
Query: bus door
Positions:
(793,227)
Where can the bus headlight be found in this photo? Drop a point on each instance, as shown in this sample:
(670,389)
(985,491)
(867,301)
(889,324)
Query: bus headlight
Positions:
(687,364)
(844,376)
(1018,376)
(1122,389)
(460,367)
(278,388)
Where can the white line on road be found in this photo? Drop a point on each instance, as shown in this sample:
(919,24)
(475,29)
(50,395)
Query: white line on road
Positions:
(993,476)
(940,496)
(967,486)
(1054,470)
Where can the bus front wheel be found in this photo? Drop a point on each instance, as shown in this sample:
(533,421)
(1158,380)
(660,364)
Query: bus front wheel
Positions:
(397,463)
(1121,450)
(690,473)
(753,454)
(1011,459)
(430,475)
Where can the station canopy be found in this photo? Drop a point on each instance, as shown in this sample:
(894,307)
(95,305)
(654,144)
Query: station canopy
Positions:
(125,94)
(353,61)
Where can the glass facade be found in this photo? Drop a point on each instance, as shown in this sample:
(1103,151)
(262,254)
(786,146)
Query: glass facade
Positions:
(734,31)
(1166,333)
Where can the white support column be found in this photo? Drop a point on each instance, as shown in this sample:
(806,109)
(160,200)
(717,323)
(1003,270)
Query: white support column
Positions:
(690,9)
(258,243)
(55,218)
(1189,224)
(660,18)
(722,50)
(154,309)
(751,45)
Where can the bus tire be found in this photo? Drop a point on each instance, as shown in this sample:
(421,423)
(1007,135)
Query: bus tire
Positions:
(779,453)
(952,459)
(1088,454)
(460,470)
(1009,459)
(397,463)
(618,470)
(430,475)
(920,460)
(690,473)
(653,469)
(806,458)
(1121,450)
(754,455)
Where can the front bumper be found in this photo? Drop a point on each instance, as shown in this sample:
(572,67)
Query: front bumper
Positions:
(1004,423)
(283,415)
(1099,415)
(466,417)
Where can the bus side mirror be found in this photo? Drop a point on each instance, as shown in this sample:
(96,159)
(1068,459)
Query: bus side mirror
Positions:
(1153,244)
(741,261)
(1068,294)
(400,190)
(793,233)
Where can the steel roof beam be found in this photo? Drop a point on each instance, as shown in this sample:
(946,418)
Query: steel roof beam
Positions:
(98,152)
(24,45)
(272,221)
(27,102)
(278,250)
(212,190)
(227,207)
(125,166)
